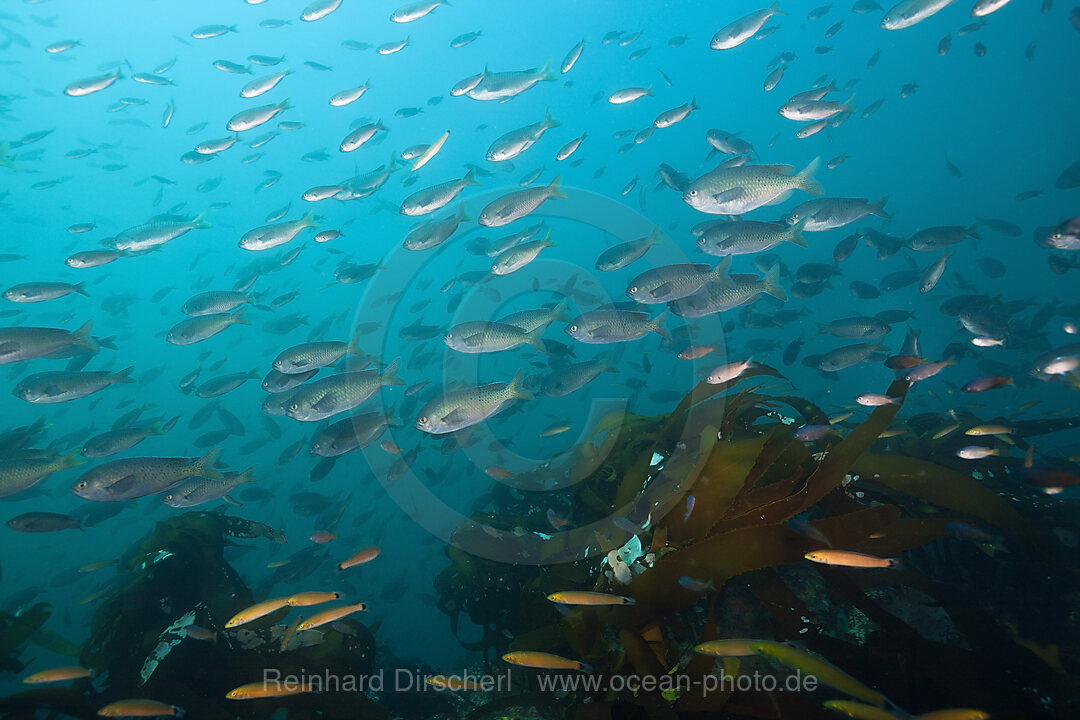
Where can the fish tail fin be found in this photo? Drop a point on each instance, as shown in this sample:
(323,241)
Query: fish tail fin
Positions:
(309,219)
(69,460)
(204,466)
(470,177)
(200,222)
(896,563)
(247,476)
(693,104)
(155,429)
(238,317)
(806,179)
(656,325)
(555,191)
(772,283)
(535,338)
(878,208)
(462,215)
(80,288)
(547,74)
(796,231)
(389,375)
(654,237)
(515,389)
(775,9)
(82,336)
(124,376)
(719,274)
(560,313)
(109,342)
(550,122)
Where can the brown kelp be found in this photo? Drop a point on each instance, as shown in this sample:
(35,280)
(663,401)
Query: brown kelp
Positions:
(725,503)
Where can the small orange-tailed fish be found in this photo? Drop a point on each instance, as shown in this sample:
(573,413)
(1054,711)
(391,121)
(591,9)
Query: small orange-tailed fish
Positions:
(860,711)
(543,660)
(58,674)
(849,558)
(260,690)
(306,599)
(256,611)
(585,597)
(328,616)
(364,556)
(139,707)
(728,647)
(826,673)
(322,537)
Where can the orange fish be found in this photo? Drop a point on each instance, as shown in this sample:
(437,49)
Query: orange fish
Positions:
(256,611)
(139,707)
(321,537)
(390,446)
(363,557)
(728,647)
(328,616)
(305,599)
(260,690)
(498,473)
(59,674)
(585,597)
(848,558)
(546,661)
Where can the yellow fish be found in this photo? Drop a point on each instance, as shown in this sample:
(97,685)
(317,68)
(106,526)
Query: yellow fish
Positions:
(256,611)
(826,673)
(546,661)
(57,675)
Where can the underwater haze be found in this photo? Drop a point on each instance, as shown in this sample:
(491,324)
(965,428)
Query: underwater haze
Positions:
(539,360)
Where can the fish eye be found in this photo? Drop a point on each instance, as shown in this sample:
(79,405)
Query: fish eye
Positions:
(693,193)
(633,289)
(423,420)
(294,406)
(1055,236)
(794,216)
(573,328)
(81,485)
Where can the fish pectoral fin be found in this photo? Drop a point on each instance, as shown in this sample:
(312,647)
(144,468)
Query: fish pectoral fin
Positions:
(602,331)
(454,416)
(662,290)
(731,195)
(325,404)
(474,340)
(123,485)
